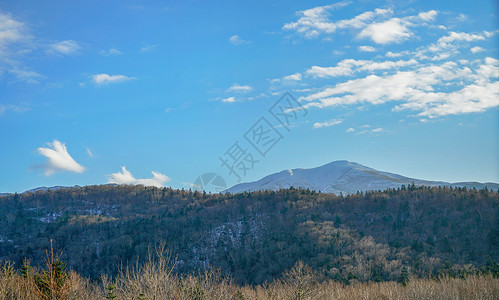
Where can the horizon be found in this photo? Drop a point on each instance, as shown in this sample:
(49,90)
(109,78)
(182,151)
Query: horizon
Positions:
(210,188)
(155,93)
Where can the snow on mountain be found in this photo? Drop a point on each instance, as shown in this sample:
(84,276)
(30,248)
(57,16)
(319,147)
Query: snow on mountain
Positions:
(51,188)
(340,176)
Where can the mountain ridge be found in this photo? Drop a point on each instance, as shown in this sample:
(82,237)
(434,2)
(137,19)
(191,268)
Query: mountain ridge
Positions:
(342,176)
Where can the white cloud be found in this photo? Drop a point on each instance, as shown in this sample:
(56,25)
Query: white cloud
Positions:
(289,79)
(393,30)
(392,54)
(385,65)
(15,108)
(65,47)
(58,159)
(362,20)
(372,24)
(461,18)
(237,40)
(449,44)
(229,100)
(11,32)
(428,16)
(125,177)
(15,43)
(368,130)
(90,153)
(460,36)
(432,89)
(239,88)
(26,75)
(193,185)
(103,79)
(477,49)
(327,123)
(148,48)
(366,49)
(293,77)
(111,51)
(315,21)
(348,67)
(350,129)
(342,69)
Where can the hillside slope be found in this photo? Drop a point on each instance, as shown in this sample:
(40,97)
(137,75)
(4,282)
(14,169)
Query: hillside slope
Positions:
(256,236)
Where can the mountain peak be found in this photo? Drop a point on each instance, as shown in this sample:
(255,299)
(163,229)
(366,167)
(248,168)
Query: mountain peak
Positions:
(341,176)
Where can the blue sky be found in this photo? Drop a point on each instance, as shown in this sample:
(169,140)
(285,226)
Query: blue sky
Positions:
(158,92)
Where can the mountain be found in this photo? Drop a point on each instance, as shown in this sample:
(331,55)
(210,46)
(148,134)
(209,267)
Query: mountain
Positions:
(342,176)
(51,188)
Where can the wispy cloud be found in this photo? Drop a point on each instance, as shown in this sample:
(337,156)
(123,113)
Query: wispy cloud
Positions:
(229,100)
(65,47)
(26,75)
(315,21)
(474,89)
(367,49)
(126,177)
(90,152)
(449,45)
(477,49)
(111,51)
(368,130)
(104,79)
(15,43)
(375,25)
(13,107)
(149,48)
(293,77)
(237,40)
(327,123)
(11,33)
(348,67)
(288,80)
(58,159)
(393,54)
(239,88)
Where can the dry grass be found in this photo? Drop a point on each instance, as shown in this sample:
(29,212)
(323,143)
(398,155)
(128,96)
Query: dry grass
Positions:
(155,279)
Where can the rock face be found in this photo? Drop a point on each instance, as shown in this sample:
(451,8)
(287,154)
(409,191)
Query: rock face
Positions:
(341,176)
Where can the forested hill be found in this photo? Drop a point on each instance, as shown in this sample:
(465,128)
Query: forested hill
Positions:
(256,236)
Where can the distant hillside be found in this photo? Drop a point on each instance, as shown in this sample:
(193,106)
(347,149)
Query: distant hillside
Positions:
(342,177)
(256,236)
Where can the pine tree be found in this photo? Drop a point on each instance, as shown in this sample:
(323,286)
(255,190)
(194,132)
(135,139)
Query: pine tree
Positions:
(54,282)
(404,276)
(110,292)
(25,268)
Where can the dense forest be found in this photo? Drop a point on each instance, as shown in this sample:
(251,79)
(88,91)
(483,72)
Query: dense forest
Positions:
(255,237)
